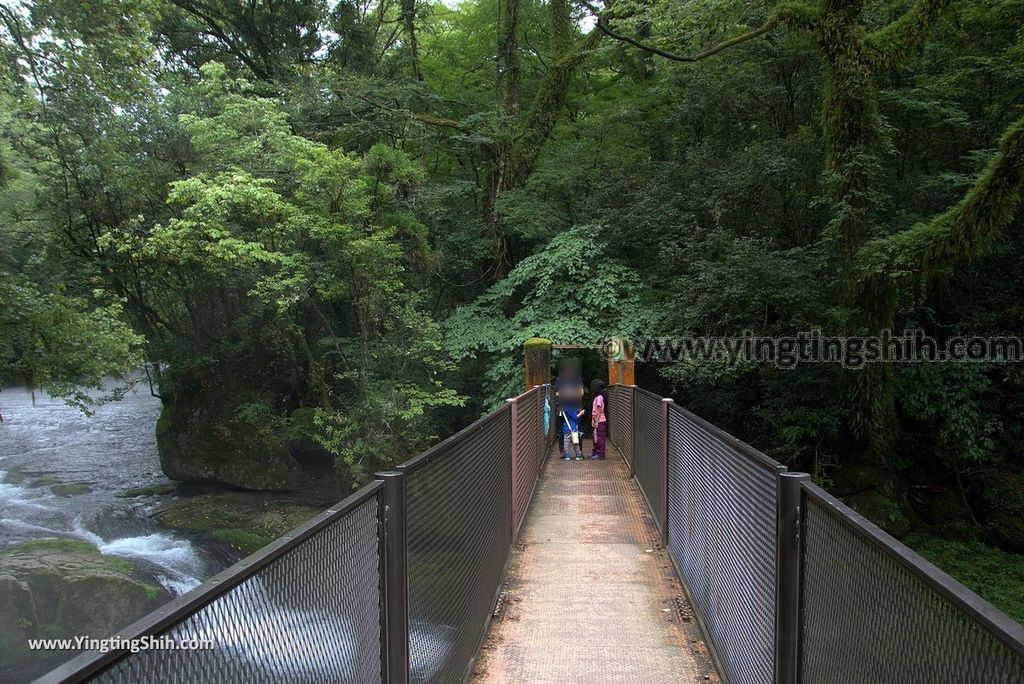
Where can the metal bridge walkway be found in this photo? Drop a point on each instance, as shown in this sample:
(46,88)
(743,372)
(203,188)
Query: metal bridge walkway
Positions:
(590,597)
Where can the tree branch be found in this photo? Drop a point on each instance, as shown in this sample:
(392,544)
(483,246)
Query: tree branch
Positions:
(215,30)
(432,120)
(961,233)
(422,117)
(675,57)
(898,40)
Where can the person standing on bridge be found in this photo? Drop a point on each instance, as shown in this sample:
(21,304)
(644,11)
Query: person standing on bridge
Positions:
(598,419)
(569,390)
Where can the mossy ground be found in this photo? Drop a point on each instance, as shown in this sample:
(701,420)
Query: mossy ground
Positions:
(245,542)
(995,575)
(246,521)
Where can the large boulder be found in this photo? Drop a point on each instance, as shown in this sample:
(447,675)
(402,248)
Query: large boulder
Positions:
(215,442)
(61,588)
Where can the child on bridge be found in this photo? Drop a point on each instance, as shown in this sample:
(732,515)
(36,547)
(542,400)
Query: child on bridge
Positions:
(598,419)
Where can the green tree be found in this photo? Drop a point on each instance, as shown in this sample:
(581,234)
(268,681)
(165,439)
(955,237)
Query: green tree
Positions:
(60,344)
(282,279)
(572,292)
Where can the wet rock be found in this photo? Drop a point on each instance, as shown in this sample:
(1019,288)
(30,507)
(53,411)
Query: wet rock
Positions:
(61,588)
(70,489)
(152,490)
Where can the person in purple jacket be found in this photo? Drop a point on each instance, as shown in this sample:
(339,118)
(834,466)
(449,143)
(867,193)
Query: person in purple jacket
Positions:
(599,419)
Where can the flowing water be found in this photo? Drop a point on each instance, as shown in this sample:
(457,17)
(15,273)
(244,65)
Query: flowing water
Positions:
(64,474)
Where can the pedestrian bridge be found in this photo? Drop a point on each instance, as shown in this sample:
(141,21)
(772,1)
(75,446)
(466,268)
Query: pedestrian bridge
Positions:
(687,556)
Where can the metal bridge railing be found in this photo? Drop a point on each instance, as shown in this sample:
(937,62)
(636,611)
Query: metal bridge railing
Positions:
(722,531)
(307,607)
(647,451)
(876,611)
(394,584)
(620,420)
(397,582)
(459,533)
(791,585)
(529,446)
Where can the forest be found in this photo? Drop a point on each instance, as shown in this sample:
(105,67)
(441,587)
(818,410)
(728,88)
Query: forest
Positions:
(325,228)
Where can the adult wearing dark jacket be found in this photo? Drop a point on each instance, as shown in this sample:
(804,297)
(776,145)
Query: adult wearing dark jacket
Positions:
(569,390)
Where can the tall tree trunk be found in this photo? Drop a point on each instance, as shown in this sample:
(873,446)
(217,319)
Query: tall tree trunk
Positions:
(526,133)
(409,21)
(509,93)
(851,129)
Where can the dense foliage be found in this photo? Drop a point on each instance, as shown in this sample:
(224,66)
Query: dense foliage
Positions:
(330,224)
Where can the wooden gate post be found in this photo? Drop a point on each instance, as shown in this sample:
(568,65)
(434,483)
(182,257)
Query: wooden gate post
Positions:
(621,353)
(537,362)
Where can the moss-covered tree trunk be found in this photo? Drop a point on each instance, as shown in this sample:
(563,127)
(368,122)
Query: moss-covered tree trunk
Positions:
(409,24)
(851,129)
(851,58)
(526,132)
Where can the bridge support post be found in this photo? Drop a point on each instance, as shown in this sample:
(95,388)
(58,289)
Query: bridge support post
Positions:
(632,427)
(663,513)
(787,578)
(620,353)
(394,580)
(513,406)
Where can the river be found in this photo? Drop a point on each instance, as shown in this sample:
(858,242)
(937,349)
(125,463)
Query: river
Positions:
(64,474)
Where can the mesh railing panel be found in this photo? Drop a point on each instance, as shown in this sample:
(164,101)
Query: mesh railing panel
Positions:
(647,443)
(530,444)
(611,395)
(311,615)
(620,417)
(721,532)
(869,618)
(458,513)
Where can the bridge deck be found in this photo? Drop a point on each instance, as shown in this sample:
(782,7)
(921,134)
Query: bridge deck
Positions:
(590,596)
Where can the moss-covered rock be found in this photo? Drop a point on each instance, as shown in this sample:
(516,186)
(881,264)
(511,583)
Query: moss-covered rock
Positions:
(246,521)
(14,477)
(45,481)
(70,489)
(61,588)
(215,441)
